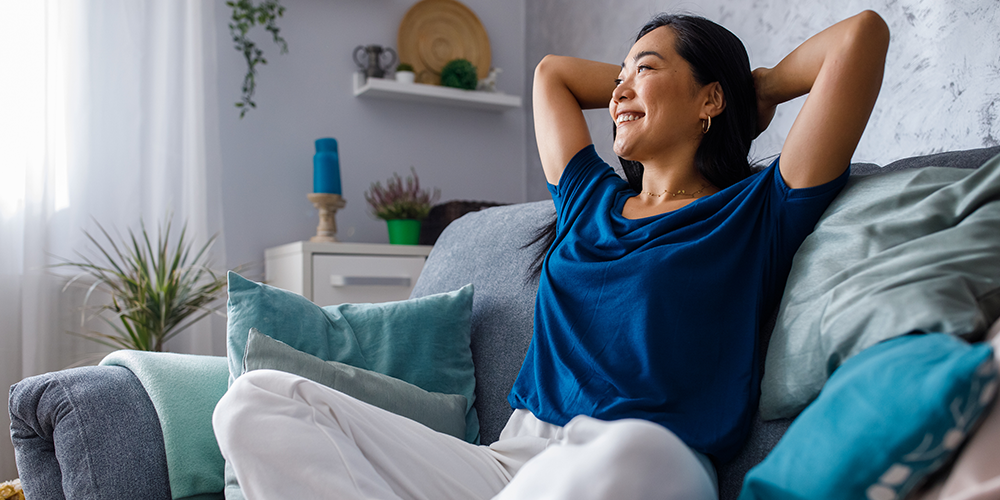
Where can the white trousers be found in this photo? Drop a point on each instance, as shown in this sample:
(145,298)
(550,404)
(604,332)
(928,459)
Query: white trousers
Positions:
(288,437)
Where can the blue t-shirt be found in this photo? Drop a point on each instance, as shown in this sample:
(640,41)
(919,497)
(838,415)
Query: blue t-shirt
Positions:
(657,318)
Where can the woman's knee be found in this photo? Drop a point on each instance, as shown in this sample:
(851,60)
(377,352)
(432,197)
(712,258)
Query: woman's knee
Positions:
(644,438)
(247,403)
(644,456)
(630,437)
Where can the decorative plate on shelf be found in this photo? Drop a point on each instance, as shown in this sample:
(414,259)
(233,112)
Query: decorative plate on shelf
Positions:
(434,32)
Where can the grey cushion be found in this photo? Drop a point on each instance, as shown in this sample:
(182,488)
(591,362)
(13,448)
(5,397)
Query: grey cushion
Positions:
(441,412)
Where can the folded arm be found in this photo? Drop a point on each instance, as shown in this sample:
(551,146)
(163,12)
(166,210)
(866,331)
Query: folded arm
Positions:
(841,70)
(563,87)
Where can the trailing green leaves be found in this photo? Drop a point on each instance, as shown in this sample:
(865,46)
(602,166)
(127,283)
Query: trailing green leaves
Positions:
(245,16)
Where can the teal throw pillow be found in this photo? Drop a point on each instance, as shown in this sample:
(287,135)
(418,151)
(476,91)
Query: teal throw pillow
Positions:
(423,341)
(442,412)
(886,419)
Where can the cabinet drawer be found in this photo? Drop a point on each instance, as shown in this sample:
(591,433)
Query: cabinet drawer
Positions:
(363,278)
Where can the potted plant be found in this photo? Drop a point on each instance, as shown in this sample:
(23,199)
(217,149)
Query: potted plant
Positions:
(404,73)
(156,291)
(403,205)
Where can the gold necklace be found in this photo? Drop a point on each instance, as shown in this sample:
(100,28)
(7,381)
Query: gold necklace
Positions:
(678,193)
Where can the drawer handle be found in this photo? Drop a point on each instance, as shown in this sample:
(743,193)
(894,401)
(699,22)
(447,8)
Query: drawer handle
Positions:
(338,280)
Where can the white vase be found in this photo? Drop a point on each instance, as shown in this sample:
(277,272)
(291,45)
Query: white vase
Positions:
(404,76)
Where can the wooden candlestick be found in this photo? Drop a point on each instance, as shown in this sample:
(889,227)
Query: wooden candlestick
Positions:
(328,204)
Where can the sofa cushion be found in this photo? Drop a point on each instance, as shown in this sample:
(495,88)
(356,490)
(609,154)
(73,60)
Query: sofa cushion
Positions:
(886,419)
(916,250)
(441,412)
(423,341)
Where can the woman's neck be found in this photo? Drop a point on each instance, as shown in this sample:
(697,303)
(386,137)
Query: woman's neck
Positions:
(667,187)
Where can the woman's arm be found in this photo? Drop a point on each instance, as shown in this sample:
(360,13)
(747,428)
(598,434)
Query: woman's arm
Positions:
(841,70)
(563,87)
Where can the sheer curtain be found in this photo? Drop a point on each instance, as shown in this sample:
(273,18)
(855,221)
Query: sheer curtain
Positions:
(109,114)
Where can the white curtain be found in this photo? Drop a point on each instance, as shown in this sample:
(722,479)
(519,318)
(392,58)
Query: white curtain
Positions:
(108,113)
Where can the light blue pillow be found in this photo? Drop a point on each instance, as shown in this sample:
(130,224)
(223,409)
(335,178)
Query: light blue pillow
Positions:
(914,250)
(442,412)
(886,419)
(423,341)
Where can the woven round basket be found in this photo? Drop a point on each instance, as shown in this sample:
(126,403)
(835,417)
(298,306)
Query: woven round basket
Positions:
(434,32)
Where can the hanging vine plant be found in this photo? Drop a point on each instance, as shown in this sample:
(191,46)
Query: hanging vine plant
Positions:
(245,16)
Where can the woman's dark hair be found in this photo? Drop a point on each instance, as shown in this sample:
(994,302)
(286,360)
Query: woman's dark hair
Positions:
(715,54)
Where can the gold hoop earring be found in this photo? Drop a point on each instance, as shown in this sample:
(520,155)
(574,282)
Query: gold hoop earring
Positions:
(707,124)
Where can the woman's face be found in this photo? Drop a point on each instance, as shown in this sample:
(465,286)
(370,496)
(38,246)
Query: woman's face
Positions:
(657,104)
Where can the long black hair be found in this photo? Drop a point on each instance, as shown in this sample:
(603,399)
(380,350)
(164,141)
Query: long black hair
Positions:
(715,54)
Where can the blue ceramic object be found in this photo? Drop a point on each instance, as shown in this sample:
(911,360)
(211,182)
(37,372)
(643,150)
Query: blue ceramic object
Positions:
(326,167)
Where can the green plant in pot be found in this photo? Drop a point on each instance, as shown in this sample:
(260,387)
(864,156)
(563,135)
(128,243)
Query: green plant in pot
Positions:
(156,291)
(403,205)
(404,73)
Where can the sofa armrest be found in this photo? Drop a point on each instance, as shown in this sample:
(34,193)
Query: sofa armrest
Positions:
(87,433)
(184,389)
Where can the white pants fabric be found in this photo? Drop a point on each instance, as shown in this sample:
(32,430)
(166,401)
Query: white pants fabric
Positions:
(288,437)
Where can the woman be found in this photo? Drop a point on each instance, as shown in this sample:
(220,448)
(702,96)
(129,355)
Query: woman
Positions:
(642,370)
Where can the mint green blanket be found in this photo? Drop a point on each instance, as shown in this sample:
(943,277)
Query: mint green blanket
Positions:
(184,389)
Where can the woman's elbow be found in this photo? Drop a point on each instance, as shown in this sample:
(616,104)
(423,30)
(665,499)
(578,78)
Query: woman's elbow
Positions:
(546,66)
(870,33)
(547,73)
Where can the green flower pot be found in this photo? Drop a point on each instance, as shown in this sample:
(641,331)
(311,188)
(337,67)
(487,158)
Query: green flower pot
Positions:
(404,231)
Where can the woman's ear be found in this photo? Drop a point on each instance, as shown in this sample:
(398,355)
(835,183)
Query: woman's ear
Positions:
(715,100)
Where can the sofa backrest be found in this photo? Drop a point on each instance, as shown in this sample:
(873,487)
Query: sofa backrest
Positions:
(486,249)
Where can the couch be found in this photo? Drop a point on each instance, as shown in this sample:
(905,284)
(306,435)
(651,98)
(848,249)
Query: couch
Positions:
(92,432)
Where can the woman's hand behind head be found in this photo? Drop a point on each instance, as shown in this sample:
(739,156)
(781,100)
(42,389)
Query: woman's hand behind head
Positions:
(765,107)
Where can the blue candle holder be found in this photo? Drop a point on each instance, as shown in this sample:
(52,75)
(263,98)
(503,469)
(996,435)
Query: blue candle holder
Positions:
(326,167)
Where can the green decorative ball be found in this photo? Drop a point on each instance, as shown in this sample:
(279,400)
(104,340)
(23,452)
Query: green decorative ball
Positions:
(460,74)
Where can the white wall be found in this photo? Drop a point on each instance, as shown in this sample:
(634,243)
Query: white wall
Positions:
(307,94)
(941,87)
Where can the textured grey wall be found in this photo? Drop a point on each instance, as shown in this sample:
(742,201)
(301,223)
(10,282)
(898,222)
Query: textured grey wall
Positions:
(940,92)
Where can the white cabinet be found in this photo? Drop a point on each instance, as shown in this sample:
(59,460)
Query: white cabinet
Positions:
(334,273)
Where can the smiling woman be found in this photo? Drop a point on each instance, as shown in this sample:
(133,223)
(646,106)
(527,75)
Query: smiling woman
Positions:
(686,107)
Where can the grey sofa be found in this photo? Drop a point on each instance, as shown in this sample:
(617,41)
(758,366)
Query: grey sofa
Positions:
(92,433)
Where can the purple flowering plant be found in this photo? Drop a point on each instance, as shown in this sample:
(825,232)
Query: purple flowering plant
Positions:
(401,199)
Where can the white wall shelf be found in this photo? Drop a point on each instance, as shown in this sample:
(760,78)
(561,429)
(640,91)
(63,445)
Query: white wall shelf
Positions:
(379,88)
